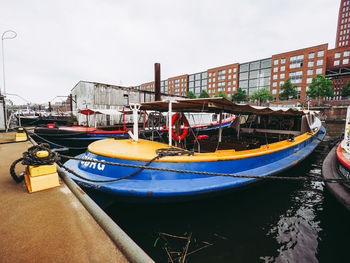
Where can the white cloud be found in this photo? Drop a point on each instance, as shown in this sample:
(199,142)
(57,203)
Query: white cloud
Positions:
(62,42)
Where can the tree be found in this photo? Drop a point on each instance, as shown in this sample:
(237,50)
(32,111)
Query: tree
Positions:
(288,91)
(239,96)
(220,94)
(191,95)
(261,95)
(204,94)
(346,90)
(320,87)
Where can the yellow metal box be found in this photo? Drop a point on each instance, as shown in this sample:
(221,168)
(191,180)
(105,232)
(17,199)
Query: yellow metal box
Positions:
(21,136)
(43,182)
(39,170)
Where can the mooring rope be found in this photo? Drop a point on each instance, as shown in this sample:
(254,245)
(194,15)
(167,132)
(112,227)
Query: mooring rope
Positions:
(267,177)
(30,158)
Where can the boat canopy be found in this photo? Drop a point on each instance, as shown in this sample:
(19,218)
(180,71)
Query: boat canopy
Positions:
(219,105)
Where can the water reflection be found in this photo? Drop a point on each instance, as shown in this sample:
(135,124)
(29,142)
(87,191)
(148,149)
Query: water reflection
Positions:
(282,221)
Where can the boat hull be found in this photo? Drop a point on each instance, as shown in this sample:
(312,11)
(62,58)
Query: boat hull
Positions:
(334,167)
(74,136)
(155,186)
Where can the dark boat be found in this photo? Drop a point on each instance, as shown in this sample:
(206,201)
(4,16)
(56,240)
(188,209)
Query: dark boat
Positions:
(337,166)
(80,136)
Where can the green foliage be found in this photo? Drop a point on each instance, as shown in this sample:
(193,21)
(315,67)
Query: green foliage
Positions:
(204,94)
(288,91)
(320,87)
(239,96)
(261,95)
(220,94)
(191,95)
(346,90)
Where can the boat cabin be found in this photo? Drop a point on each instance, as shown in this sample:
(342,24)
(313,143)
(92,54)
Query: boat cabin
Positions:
(252,127)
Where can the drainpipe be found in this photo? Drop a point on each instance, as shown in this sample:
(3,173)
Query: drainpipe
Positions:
(157,81)
(220,127)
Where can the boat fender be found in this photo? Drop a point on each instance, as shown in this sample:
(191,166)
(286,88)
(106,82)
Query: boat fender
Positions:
(200,137)
(185,130)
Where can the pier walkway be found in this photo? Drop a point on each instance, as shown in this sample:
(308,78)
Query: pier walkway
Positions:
(46,226)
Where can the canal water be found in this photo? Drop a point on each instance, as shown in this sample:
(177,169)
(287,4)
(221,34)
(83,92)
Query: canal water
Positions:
(281,221)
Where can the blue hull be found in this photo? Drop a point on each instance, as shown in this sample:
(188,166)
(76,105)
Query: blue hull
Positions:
(156,186)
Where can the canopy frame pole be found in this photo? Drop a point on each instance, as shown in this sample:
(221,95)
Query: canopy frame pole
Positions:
(135,108)
(170,129)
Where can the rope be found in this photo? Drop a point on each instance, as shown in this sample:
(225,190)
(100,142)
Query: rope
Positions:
(30,157)
(56,144)
(268,177)
(160,153)
(19,178)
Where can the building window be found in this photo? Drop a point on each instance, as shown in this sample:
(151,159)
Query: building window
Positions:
(336,62)
(309,80)
(281,83)
(337,55)
(320,53)
(310,64)
(275,69)
(296,61)
(283,60)
(235,70)
(311,55)
(296,77)
(230,70)
(319,71)
(346,53)
(310,72)
(346,61)
(274,91)
(283,68)
(275,76)
(319,62)
(126,99)
(274,84)
(275,62)
(282,76)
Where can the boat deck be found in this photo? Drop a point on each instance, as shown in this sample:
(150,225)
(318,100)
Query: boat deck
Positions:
(46,226)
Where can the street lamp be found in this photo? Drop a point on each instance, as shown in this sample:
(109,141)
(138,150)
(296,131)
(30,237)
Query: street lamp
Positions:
(9,34)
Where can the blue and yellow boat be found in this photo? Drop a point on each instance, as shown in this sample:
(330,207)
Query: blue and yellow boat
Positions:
(260,142)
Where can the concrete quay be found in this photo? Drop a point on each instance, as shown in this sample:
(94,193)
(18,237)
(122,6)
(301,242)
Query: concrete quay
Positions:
(46,226)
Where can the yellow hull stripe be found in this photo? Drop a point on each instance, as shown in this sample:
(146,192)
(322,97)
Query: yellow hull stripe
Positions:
(145,150)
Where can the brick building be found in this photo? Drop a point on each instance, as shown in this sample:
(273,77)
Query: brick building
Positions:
(343,29)
(299,65)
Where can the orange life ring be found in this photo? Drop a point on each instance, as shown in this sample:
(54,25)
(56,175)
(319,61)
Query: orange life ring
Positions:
(185,131)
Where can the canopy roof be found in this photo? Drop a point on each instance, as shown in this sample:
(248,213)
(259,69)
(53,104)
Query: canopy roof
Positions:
(217,105)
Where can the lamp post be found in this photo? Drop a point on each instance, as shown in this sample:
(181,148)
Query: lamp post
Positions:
(8,34)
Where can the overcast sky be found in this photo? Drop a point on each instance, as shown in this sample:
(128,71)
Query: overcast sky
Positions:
(61,42)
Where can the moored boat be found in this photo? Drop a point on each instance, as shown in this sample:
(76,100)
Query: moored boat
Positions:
(337,166)
(261,142)
(81,136)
